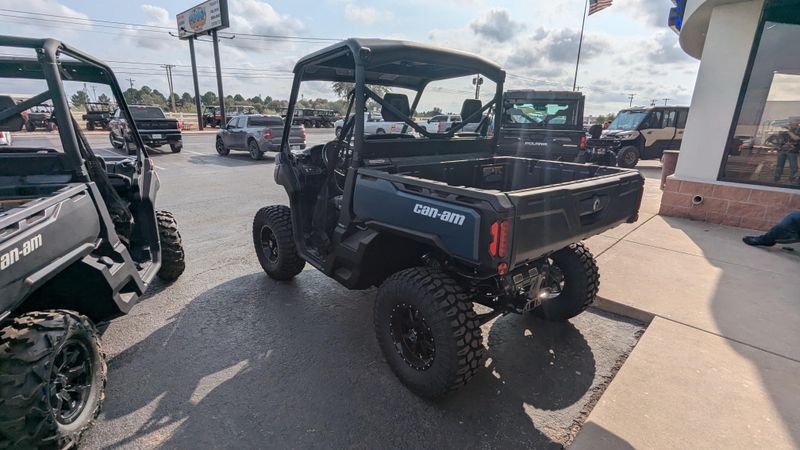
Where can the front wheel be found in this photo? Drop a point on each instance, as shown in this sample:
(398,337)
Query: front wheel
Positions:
(273,239)
(90,126)
(173,258)
(571,284)
(338,131)
(628,157)
(222,150)
(428,331)
(53,379)
(176,148)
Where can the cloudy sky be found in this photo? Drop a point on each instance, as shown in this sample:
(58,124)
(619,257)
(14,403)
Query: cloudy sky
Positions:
(628,48)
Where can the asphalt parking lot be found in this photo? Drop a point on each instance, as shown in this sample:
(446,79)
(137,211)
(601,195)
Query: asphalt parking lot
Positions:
(225,357)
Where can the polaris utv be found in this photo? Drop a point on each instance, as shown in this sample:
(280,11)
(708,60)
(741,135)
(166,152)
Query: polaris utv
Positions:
(437,222)
(80,241)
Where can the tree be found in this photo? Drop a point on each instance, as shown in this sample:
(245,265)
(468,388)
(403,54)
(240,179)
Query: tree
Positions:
(210,99)
(238,99)
(132,96)
(103,99)
(341,89)
(79,99)
(434,112)
(187,98)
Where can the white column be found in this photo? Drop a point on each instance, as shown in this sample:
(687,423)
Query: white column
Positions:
(729,40)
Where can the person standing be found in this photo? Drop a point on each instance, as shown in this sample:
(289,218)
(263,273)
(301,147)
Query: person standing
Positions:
(789,146)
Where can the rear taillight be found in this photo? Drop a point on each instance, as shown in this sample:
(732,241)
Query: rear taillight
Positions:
(582,145)
(2,135)
(180,125)
(499,245)
(267,134)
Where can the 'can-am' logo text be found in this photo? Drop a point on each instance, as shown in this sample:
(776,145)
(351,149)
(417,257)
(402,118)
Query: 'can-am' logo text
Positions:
(444,216)
(12,256)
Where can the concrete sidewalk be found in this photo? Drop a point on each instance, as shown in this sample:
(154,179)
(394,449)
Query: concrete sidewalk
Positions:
(719,365)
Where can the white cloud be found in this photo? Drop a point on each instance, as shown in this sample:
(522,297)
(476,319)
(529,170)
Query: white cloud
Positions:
(42,6)
(497,26)
(362,14)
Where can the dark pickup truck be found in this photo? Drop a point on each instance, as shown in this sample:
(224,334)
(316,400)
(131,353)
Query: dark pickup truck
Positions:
(542,124)
(436,220)
(154,128)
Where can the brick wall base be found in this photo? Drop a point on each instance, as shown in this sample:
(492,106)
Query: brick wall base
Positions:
(746,207)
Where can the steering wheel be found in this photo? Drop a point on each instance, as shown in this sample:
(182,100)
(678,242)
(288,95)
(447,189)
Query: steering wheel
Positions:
(336,156)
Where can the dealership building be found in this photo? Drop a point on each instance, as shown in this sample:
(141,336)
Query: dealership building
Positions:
(738,161)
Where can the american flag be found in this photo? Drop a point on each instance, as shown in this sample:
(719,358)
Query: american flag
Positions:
(598,5)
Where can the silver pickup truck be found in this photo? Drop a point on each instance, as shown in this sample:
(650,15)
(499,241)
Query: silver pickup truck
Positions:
(257,134)
(374,124)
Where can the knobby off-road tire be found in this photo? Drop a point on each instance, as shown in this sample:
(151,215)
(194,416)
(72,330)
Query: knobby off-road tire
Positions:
(43,357)
(273,239)
(581,280)
(443,347)
(628,157)
(173,258)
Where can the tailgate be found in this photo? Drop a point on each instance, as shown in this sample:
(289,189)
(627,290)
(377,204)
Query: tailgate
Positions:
(156,125)
(541,143)
(550,218)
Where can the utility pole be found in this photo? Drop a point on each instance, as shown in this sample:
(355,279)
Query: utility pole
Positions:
(169,67)
(630,97)
(653,102)
(196,86)
(131,80)
(665,101)
(477,81)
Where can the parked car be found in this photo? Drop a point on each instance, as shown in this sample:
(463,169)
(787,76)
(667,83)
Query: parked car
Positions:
(542,124)
(642,133)
(40,116)
(374,124)
(442,123)
(98,115)
(257,134)
(153,126)
(436,222)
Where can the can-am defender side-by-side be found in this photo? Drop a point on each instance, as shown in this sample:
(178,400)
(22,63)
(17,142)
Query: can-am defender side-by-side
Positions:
(438,222)
(80,241)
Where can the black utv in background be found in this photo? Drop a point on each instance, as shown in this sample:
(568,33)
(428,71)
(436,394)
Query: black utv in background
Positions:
(440,221)
(98,115)
(154,128)
(80,241)
(542,124)
(40,116)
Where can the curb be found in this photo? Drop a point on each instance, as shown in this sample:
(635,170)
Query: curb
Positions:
(621,309)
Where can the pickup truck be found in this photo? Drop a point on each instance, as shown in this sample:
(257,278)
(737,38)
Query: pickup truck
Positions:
(374,124)
(257,134)
(442,124)
(542,124)
(437,221)
(154,128)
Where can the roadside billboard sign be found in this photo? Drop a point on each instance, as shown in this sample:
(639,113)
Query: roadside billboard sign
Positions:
(207,16)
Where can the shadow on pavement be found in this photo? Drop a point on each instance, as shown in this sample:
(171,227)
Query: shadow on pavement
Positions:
(255,363)
(234,159)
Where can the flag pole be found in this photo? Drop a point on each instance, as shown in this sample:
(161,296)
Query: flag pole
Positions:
(580,44)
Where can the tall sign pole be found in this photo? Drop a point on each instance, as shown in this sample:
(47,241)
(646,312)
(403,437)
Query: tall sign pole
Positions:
(204,19)
(196,86)
(580,44)
(219,77)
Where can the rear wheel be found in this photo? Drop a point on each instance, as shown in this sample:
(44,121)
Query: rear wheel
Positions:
(571,285)
(176,148)
(255,151)
(222,150)
(273,239)
(628,157)
(53,379)
(173,258)
(90,126)
(428,331)
(307,124)
(30,126)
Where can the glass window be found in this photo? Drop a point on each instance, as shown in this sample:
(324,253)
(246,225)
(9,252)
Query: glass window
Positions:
(669,118)
(654,121)
(147,112)
(683,114)
(541,113)
(264,121)
(765,139)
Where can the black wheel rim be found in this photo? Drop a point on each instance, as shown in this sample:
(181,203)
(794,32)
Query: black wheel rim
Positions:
(412,337)
(630,158)
(253,150)
(269,245)
(70,381)
(220,147)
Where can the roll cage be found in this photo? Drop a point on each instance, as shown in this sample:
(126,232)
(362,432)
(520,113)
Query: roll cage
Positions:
(398,64)
(51,66)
